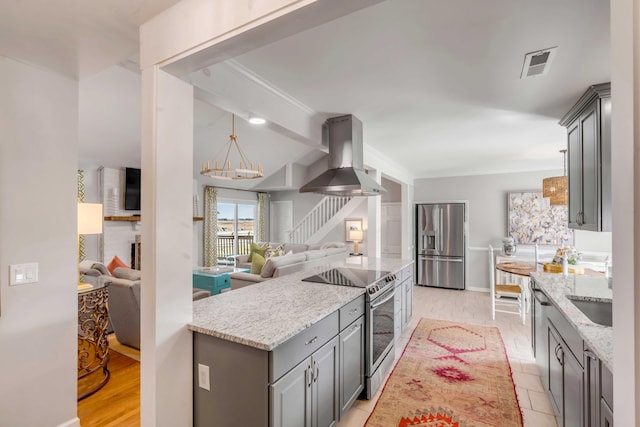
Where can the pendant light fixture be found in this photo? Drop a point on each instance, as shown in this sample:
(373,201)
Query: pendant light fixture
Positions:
(555,188)
(225,170)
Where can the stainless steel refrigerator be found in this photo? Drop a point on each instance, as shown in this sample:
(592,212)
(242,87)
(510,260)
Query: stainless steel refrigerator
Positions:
(440,245)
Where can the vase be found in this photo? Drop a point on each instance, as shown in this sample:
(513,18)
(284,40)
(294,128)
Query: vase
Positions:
(509,246)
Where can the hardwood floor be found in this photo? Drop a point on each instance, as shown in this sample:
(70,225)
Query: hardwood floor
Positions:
(118,402)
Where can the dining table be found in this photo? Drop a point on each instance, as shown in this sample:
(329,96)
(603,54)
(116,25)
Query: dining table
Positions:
(523,269)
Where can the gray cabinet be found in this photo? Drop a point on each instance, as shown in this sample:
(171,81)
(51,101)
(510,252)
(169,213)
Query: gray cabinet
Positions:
(397,307)
(405,276)
(403,300)
(598,386)
(565,381)
(606,414)
(408,291)
(588,126)
(579,385)
(351,363)
(296,384)
(291,397)
(554,376)
(307,395)
(539,303)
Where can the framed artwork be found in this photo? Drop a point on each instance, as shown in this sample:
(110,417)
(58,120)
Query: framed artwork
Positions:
(351,225)
(531,219)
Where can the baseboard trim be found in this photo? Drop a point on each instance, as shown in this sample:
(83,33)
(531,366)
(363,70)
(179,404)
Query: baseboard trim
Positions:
(75,422)
(475,289)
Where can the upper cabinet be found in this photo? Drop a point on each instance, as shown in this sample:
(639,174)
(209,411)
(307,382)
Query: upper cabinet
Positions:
(588,126)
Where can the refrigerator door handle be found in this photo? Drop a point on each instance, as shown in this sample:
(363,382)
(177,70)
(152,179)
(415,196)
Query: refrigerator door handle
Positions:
(450,259)
(440,228)
(429,258)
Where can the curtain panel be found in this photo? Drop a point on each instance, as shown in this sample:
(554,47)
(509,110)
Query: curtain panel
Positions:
(210,226)
(261,232)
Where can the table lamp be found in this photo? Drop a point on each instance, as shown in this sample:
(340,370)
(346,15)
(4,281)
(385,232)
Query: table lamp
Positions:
(355,236)
(89,222)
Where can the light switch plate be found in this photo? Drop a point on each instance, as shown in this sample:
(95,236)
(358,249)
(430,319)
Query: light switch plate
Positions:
(22,274)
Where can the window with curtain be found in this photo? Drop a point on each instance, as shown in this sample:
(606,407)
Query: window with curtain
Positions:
(235,229)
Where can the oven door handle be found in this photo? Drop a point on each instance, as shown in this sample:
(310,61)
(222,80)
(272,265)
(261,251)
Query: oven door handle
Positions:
(390,297)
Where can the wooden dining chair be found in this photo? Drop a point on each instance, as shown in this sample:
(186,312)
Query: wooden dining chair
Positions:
(505,297)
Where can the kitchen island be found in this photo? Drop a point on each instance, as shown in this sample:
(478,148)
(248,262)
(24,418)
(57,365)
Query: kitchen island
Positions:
(573,353)
(281,344)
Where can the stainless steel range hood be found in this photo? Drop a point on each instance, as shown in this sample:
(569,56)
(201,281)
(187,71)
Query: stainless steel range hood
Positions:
(346,175)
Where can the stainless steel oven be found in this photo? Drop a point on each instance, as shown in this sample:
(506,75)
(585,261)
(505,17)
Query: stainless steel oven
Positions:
(379,317)
(380,328)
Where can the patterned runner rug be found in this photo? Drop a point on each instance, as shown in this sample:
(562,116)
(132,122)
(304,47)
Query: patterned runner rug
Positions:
(450,375)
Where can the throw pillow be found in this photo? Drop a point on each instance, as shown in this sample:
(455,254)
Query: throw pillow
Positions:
(115,263)
(257,263)
(257,249)
(274,251)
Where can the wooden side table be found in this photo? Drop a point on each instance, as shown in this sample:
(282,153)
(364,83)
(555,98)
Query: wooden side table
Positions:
(93,346)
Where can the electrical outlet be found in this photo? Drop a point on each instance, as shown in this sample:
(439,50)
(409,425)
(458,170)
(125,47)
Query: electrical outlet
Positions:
(203,377)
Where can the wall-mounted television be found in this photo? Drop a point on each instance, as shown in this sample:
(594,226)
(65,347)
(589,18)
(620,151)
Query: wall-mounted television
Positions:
(132,189)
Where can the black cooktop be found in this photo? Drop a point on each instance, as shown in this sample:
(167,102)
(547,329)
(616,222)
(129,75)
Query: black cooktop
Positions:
(344,276)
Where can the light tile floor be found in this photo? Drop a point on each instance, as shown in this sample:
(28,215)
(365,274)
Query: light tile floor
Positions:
(474,307)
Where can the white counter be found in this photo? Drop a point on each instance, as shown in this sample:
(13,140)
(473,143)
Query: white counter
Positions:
(267,314)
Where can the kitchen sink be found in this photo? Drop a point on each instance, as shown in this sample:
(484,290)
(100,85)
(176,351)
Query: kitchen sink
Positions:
(599,312)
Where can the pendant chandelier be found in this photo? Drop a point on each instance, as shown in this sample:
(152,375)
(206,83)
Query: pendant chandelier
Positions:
(225,170)
(555,188)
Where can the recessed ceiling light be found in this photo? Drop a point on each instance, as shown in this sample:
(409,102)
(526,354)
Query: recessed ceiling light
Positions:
(255,120)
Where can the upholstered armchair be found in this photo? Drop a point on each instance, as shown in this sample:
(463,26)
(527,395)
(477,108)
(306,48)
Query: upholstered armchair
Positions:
(124,299)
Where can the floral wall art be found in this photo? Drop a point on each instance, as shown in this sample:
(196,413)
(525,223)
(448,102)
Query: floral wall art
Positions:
(532,219)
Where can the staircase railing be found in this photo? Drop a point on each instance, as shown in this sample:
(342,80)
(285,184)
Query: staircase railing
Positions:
(316,218)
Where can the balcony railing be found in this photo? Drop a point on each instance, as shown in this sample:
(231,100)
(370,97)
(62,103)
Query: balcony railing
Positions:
(226,245)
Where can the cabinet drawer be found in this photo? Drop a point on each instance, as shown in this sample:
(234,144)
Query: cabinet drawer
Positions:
(351,311)
(293,351)
(569,335)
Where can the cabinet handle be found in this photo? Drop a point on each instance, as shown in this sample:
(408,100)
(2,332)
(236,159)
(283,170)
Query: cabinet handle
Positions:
(309,374)
(311,341)
(317,371)
(353,311)
(561,357)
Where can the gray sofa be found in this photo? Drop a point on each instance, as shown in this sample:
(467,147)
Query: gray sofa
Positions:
(302,257)
(124,298)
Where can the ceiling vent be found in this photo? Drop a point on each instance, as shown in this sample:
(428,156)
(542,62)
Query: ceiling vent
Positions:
(537,63)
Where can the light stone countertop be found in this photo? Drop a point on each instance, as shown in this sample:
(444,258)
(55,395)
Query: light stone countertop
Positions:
(599,338)
(268,313)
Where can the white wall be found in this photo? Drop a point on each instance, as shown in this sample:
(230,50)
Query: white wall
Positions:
(38,322)
(394,191)
(625,138)
(487,196)
(167,212)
